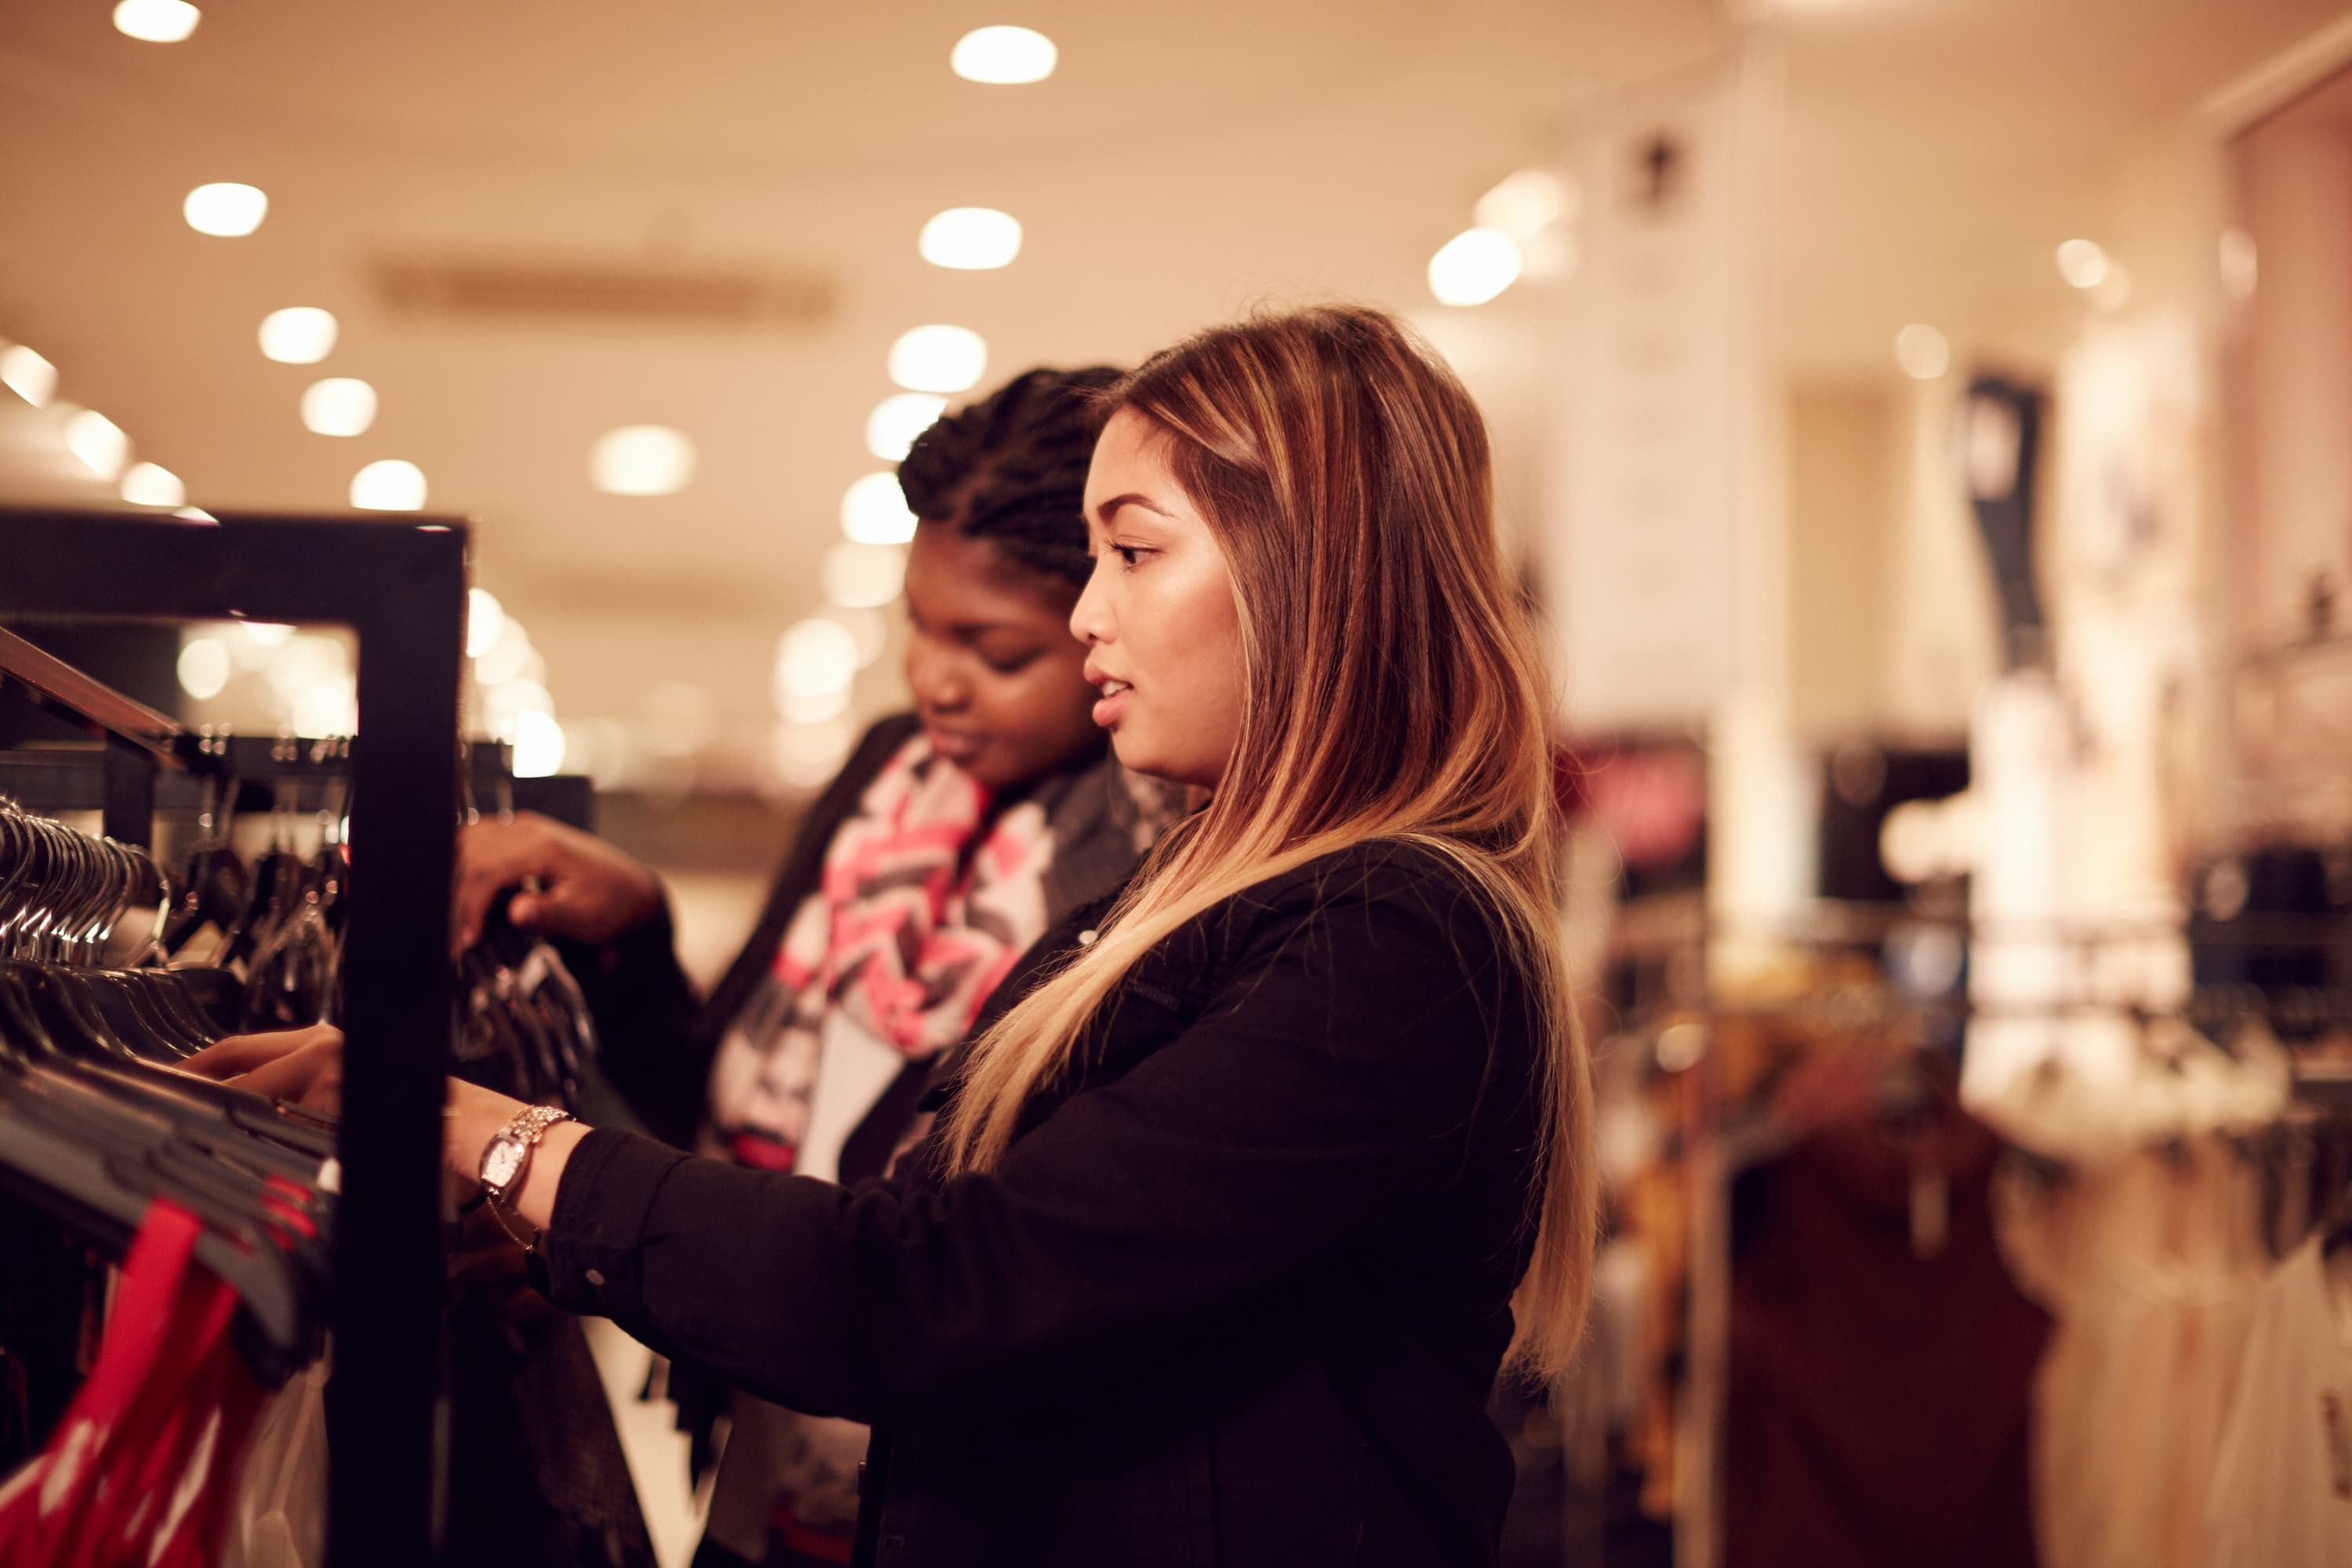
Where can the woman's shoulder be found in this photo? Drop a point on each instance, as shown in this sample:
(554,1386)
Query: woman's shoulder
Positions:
(1412,878)
(1391,908)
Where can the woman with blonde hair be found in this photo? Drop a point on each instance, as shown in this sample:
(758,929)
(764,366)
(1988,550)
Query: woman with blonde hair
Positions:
(1250,1180)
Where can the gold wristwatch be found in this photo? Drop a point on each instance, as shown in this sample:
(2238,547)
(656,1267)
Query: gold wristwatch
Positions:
(506,1159)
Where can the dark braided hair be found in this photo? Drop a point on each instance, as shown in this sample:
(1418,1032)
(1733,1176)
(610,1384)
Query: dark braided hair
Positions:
(1012,470)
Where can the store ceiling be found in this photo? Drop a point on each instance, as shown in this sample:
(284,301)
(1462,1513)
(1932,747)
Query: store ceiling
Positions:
(1185,162)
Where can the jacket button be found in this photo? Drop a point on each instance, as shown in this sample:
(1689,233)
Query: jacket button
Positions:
(594,1277)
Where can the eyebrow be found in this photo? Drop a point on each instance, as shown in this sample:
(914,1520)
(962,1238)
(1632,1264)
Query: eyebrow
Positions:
(1110,508)
(972,631)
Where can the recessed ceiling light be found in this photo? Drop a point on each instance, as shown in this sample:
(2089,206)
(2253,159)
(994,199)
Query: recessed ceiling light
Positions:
(1527,202)
(299,334)
(641,460)
(98,442)
(863,577)
(1003,56)
(897,419)
(156,21)
(815,658)
(938,359)
(509,656)
(152,484)
(1922,351)
(204,668)
(27,374)
(485,619)
(870,629)
(389,484)
(228,210)
(1474,267)
(971,240)
(2082,263)
(538,745)
(874,511)
(339,406)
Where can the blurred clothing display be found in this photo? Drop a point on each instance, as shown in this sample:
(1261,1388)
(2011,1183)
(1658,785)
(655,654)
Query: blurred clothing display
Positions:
(2283,1489)
(1881,1359)
(2148,1246)
(2000,451)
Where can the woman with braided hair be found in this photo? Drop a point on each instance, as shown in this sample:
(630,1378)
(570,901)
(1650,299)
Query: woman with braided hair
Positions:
(954,837)
(1251,1177)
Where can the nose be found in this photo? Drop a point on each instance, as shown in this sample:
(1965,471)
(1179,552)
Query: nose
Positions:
(1090,617)
(934,676)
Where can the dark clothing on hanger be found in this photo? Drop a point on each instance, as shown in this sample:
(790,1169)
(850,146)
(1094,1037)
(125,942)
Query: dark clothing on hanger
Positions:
(1236,1294)
(1879,1401)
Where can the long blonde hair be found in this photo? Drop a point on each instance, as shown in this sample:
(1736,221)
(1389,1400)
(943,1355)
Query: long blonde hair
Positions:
(1344,472)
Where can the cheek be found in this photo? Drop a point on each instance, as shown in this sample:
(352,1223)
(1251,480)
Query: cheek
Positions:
(1040,711)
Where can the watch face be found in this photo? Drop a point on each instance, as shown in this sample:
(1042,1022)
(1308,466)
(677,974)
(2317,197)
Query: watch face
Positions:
(503,1162)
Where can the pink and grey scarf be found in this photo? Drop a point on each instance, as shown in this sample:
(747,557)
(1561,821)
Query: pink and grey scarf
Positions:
(928,898)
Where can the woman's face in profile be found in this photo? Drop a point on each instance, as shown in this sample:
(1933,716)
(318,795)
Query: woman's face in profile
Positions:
(990,660)
(1158,616)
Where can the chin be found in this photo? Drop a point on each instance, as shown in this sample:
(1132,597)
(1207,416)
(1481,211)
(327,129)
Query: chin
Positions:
(1140,758)
(1135,755)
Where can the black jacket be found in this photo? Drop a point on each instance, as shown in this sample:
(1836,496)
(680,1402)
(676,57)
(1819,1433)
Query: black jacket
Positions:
(1236,1294)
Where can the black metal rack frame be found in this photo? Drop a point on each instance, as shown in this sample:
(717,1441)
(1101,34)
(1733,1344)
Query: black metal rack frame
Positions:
(401,587)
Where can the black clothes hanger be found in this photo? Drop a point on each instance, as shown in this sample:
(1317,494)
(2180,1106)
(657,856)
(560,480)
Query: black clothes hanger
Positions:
(215,888)
(89,1120)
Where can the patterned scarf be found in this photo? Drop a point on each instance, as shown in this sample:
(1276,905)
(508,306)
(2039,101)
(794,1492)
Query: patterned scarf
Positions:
(926,901)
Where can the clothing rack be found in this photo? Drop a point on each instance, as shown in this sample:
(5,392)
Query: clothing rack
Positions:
(401,587)
(298,771)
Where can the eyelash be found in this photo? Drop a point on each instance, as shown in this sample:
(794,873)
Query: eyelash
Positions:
(1131,554)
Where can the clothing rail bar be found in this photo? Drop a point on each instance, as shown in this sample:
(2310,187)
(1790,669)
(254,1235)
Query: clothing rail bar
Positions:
(61,690)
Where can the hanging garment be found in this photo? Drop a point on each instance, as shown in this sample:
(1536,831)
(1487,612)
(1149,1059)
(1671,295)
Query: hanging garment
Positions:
(138,1470)
(51,1290)
(280,1517)
(536,1470)
(2282,1490)
(2151,1263)
(1881,1359)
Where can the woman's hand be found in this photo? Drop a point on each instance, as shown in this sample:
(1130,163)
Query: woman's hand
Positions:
(304,1065)
(586,890)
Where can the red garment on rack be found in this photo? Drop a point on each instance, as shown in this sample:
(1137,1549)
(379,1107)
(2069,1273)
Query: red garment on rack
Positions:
(140,1469)
(1879,1401)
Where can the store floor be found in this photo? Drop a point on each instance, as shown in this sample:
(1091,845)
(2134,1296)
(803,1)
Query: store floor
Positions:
(655,1449)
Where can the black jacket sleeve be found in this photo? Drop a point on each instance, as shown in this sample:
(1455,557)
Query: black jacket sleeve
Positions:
(1320,1095)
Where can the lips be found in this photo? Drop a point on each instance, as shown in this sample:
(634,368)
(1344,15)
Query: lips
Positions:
(1114,695)
(1113,703)
(955,745)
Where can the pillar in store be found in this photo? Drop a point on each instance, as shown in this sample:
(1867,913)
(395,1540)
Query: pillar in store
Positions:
(1663,558)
